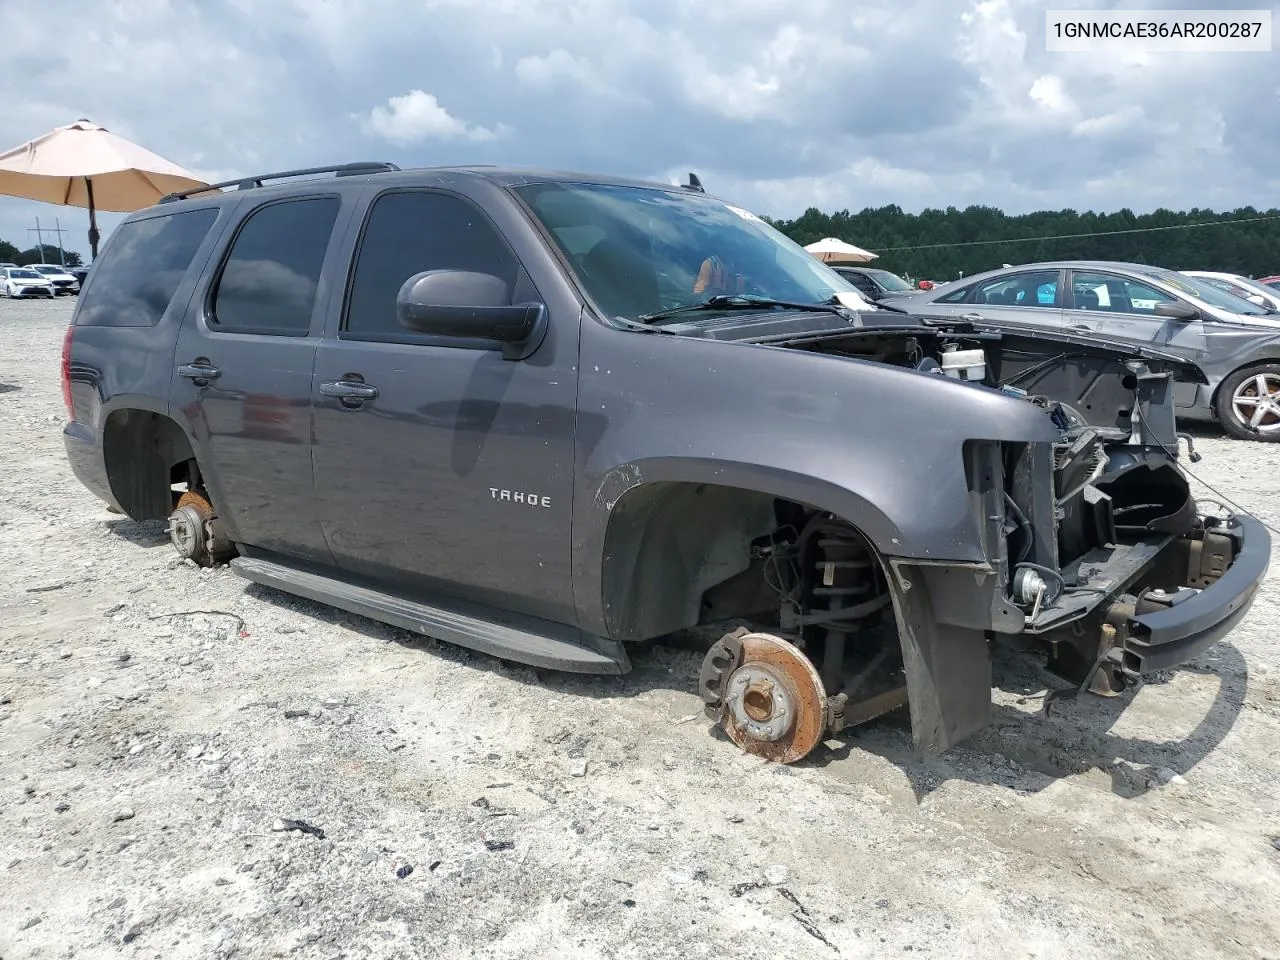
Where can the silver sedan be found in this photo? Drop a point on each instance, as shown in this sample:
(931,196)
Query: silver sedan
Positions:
(1235,343)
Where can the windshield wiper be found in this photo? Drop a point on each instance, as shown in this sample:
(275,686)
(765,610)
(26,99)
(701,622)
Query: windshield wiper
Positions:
(742,302)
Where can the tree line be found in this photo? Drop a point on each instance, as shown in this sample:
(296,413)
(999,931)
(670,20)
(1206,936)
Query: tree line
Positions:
(1248,248)
(48,253)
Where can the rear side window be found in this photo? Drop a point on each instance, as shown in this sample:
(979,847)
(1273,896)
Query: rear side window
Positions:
(140,270)
(956,296)
(269,281)
(407,233)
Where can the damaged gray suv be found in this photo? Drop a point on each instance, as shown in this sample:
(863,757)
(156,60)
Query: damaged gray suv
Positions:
(547,416)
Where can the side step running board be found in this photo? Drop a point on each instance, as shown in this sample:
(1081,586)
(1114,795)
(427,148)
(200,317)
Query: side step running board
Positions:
(552,646)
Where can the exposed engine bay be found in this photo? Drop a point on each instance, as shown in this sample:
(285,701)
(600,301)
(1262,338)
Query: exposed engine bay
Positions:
(1084,536)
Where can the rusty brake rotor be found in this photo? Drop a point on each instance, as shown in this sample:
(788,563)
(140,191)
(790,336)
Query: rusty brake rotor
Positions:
(767,694)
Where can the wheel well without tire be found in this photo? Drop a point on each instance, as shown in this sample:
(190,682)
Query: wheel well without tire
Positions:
(680,554)
(145,454)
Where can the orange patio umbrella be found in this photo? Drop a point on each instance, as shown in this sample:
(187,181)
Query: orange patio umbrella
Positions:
(85,165)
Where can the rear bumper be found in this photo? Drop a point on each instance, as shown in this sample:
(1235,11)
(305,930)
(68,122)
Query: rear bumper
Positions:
(84,454)
(1196,620)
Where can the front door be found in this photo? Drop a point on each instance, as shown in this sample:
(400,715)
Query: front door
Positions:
(1116,307)
(243,375)
(444,469)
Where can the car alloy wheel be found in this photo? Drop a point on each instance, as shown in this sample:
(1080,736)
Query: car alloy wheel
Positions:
(1256,402)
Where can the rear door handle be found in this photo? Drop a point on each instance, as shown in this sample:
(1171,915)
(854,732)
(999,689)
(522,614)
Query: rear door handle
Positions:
(973,317)
(199,371)
(1081,327)
(348,390)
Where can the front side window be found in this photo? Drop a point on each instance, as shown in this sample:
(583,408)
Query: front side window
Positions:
(141,268)
(1034,289)
(640,250)
(1115,294)
(269,281)
(410,232)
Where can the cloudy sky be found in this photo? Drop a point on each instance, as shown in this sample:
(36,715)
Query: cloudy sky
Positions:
(777,104)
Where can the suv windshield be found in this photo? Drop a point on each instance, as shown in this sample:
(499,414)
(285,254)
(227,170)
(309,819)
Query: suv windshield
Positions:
(639,250)
(47,269)
(1198,288)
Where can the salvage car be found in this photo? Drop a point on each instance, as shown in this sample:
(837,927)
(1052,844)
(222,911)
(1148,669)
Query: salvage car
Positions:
(63,281)
(1235,343)
(24,282)
(550,416)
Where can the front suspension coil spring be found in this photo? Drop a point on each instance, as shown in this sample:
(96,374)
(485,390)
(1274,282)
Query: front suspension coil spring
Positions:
(843,588)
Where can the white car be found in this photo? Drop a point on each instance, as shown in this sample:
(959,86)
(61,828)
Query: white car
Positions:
(25,282)
(62,281)
(1256,293)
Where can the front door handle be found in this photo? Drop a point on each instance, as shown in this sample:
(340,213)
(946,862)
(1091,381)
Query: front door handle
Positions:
(973,317)
(199,370)
(1081,327)
(350,392)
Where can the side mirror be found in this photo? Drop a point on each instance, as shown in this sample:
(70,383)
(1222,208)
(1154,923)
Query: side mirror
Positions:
(463,305)
(1177,310)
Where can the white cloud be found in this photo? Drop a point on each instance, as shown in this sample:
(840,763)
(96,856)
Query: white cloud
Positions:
(1049,92)
(1130,120)
(560,70)
(418,115)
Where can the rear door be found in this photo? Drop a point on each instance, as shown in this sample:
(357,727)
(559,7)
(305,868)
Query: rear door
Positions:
(1029,298)
(242,378)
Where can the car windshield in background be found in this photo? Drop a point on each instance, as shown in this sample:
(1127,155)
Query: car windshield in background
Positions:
(639,251)
(1194,287)
(24,275)
(890,281)
(48,270)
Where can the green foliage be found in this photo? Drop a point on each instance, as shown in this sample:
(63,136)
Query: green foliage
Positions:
(1251,249)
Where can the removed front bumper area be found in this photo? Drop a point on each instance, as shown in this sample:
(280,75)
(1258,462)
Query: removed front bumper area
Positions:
(1221,573)
(1189,594)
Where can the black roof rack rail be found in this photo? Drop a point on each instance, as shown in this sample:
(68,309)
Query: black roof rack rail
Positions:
(249,183)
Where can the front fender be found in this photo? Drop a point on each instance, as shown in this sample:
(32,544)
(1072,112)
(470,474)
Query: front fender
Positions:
(879,446)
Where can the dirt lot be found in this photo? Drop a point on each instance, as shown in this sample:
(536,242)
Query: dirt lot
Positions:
(146,751)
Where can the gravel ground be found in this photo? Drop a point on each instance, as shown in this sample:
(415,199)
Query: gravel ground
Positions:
(471,807)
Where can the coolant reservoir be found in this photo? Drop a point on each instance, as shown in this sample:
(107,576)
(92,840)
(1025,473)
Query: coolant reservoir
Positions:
(965,364)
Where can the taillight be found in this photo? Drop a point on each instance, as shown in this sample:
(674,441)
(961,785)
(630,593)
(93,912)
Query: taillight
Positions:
(66,371)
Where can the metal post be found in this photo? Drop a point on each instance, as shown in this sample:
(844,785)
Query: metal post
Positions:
(40,231)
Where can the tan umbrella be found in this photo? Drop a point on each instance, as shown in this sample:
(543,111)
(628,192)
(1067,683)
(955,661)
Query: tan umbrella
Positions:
(85,165)
(831,250)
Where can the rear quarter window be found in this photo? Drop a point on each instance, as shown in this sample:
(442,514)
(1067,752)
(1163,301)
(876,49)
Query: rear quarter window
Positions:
(140,270)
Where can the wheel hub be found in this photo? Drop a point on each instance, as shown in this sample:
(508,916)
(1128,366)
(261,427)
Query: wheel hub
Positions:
(195,531)
(759,703)
(186,531)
